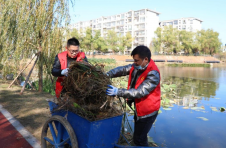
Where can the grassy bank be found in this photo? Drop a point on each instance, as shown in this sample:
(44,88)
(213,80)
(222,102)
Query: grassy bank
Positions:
(188,65)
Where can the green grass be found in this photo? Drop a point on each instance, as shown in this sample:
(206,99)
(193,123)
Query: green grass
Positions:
(188,65)
(103,61)
(47,86)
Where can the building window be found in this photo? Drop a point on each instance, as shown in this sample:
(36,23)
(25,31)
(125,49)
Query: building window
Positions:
(113,24)
(142,12)
(184,21)
(122,16)
(136,20)
(142,19)
(175,22)
(130,14)
(142,26)
(129,20)
(122,22)
(136,13)
(170,23)
(129,27)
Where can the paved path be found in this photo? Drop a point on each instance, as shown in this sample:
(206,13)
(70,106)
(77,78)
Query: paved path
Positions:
(13,134)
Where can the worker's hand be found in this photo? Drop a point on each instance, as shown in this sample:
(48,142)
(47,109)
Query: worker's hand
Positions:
(64,72)
(111,90)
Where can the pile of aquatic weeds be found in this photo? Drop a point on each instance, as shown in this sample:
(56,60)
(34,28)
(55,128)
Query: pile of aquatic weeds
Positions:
(84,92)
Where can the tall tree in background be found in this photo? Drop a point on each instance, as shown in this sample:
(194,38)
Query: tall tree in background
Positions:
(157,41)
(99,42)
(170,39)
(209,41)
(112,41)
(125,42)
(88,40)
(186,41)
(78,34)
(32,26)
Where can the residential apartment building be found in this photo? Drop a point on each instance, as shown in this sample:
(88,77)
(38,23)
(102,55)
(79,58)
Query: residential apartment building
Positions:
(188,24)
(141,24)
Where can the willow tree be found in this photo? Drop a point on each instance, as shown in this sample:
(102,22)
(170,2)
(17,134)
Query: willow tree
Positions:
(209,41)
(32,26)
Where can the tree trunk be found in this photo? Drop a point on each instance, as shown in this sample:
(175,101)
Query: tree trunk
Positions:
(40,73)
(28,76)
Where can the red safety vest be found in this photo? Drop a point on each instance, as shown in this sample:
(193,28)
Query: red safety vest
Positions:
(63,62)
(150,102)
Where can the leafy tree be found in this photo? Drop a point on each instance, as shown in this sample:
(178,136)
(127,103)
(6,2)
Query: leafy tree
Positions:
(99,42)
(88,40)
(32,26)
(186,41)
(157,41)
(209,41)
(170,39)
(125,42)
(112,41)
(78,34)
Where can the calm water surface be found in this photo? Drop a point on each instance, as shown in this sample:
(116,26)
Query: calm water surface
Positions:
(199,91)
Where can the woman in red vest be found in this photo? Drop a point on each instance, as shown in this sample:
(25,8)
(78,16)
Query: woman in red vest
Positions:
(63,60)
(143,89)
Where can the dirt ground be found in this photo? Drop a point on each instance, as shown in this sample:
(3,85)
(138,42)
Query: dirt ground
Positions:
(30,109)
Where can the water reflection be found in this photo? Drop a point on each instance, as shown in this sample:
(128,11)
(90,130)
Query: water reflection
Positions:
(190,112)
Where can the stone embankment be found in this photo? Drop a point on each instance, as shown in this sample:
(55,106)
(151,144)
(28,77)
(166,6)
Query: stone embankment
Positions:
(185,59)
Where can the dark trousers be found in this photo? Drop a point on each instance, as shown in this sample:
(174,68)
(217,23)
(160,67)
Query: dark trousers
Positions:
(141,129)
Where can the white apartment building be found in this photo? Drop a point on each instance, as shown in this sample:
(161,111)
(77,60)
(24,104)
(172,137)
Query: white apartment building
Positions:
(141,24)
(188,24)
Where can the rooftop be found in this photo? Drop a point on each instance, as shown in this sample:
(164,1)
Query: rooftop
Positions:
(182,19)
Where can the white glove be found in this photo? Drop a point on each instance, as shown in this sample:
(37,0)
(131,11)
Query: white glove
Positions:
(64,72)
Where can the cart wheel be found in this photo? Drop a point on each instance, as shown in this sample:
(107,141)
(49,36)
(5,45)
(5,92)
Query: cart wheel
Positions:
(58,133)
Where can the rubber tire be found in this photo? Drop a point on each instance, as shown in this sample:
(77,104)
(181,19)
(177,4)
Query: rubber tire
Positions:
(66,124)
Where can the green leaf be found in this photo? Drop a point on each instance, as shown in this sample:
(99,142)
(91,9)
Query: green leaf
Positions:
(222,109)
(76,105)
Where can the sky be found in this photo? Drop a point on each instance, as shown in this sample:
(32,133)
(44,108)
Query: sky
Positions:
(211,12)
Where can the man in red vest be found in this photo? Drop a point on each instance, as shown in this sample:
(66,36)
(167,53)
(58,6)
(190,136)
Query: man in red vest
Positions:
(143,89)
(63,60)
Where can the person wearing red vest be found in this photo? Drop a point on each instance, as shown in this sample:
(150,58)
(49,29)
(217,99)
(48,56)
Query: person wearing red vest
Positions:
(143,89)
(63,60)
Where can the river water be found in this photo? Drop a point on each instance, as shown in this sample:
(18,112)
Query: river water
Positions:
(193,119)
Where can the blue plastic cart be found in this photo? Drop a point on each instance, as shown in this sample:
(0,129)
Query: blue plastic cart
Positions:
(70,130)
